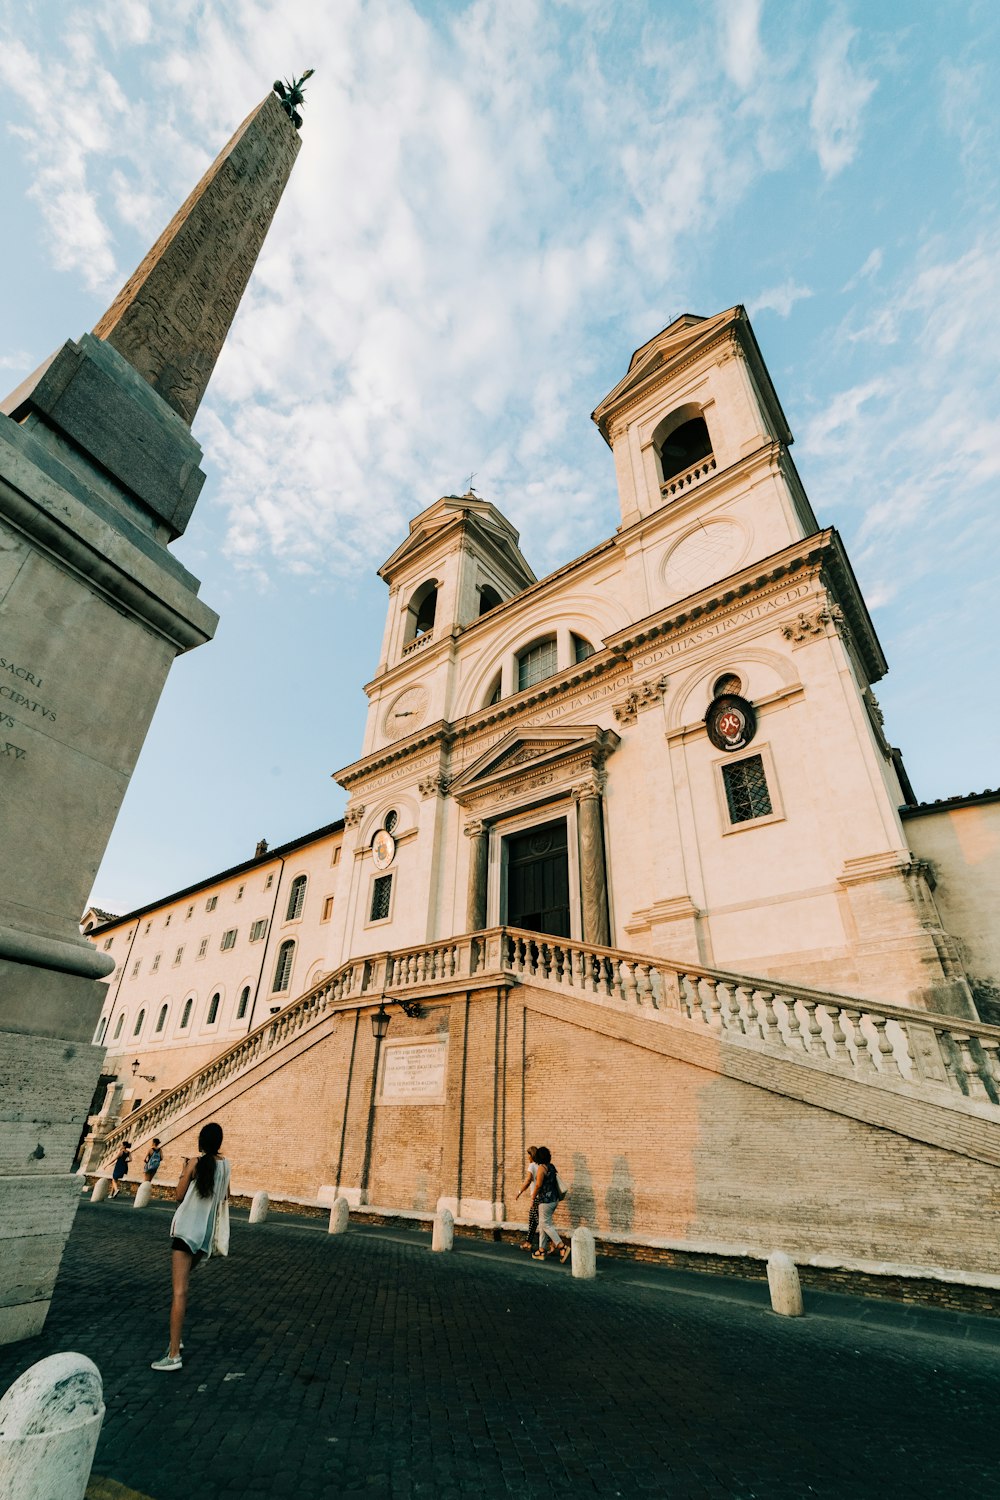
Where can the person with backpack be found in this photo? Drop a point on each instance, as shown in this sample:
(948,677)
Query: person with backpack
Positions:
(154,1157)
(548,1195)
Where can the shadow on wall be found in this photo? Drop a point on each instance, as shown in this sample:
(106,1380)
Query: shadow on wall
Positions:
(619,1200)
(581,1203)
(421,1198)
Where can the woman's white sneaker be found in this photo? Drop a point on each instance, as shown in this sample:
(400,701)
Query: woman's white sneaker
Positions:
(167,1363)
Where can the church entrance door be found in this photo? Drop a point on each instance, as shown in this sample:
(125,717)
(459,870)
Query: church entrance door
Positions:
(538,880)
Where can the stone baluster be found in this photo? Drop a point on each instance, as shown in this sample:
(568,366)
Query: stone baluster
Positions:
(889,1066)
(794,1038)
(770,1032)
(729,1007)
(970,1066)
(708,992)
(863,1062)
(991,1060)
(628,982)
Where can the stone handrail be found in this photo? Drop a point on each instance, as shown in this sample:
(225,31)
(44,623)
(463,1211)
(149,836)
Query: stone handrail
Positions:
(871,1041)
(687,477)
(345,983)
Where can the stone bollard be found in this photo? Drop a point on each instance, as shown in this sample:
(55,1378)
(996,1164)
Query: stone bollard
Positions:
(50,1420)
(102,1188)
(783,1281)
(259,1207)
(444,1230)
(340,1216)
(143,1193)
(584,1257)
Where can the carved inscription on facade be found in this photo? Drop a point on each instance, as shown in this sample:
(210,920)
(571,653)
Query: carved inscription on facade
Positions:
(17,706)
(414,1074)
(694,638)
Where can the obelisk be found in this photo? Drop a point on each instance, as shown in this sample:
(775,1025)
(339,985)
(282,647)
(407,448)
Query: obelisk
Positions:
(98,473)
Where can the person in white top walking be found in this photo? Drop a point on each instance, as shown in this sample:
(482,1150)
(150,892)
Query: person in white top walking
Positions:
(199,1228)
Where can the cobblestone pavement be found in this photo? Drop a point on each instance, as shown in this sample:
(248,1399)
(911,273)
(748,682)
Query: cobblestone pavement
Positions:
(365,1365)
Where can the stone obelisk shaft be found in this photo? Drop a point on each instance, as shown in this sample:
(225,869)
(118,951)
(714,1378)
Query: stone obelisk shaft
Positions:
(171,318)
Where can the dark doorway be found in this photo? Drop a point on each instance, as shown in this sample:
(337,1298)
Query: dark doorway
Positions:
(538,880)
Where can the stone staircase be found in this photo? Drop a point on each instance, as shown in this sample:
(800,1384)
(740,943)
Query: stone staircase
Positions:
(809,1043)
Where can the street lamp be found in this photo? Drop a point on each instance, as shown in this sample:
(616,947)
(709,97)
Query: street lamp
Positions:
(149,1077)
(380,1022)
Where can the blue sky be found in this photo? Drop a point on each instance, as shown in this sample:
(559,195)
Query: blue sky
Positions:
(494,205)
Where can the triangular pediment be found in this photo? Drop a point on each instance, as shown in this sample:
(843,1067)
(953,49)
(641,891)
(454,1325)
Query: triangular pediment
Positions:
(471,513)
(672,344)
(530,749)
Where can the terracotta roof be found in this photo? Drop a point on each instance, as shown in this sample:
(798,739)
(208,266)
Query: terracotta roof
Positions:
(945,804)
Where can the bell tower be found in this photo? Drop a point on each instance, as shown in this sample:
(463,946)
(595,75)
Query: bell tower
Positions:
(695,424)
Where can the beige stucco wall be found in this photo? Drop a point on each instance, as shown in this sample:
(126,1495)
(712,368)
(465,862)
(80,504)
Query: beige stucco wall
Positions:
(962,846)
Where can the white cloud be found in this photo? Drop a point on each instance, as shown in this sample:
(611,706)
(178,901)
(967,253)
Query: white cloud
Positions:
(870,267)
(842,91)
(742,52)
(780,299)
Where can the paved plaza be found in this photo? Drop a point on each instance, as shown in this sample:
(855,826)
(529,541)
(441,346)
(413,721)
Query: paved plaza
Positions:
(365,1365)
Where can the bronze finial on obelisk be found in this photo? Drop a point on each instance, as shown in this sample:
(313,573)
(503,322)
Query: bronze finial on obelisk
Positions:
(171,318)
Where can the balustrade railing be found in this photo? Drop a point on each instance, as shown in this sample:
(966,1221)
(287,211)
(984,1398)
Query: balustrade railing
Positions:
(688,477)
(881,1042)
(922,1050)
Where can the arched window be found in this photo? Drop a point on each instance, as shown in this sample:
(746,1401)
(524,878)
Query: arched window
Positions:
(186,1017)
(296,898)
(213,1008)
(101,1029)
(283,968)
(493,692)
(488,598)
(161,1019)
(118,1028)
(581,649)
(241,1009)
(537,663)
(681,440)
(138,1022)
(727,683)
(390,820)
(420,611)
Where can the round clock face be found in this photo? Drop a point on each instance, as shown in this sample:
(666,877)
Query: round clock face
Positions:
(383,849)
(406,713)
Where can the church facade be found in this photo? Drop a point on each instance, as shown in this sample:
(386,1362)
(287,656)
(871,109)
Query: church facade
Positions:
(661,768)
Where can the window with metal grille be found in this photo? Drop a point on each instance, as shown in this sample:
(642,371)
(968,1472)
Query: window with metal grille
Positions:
(213,1008)
(244,1002)
(228,940)
(258,930)
(296,898)
(747,795)
(185,1018)
(161,1019)
(283,968)
(381,892)
(536,663)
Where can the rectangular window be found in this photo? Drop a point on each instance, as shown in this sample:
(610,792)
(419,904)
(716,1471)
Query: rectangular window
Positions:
(107,943)
(381,892)
(167,922)
(536,664)
(190,912)
(203,947)
(258,930)
(211,903)
(269,881)
(178,956)
(155,964)
(148,926)
(239,892)
(228,940)
(327,909)
(135,967)
(747,796)
(336,856)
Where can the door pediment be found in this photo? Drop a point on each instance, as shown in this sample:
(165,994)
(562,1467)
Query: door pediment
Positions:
(527,759)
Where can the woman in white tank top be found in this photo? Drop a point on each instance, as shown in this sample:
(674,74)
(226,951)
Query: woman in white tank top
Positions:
(199,1228)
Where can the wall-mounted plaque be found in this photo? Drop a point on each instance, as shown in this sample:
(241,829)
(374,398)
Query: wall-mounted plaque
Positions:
(383,849)
(414,1072)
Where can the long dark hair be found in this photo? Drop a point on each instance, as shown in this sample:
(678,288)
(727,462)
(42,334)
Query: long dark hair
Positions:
(209,1141)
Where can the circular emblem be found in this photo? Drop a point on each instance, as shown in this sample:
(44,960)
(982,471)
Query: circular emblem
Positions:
(731,722)
(383,849)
